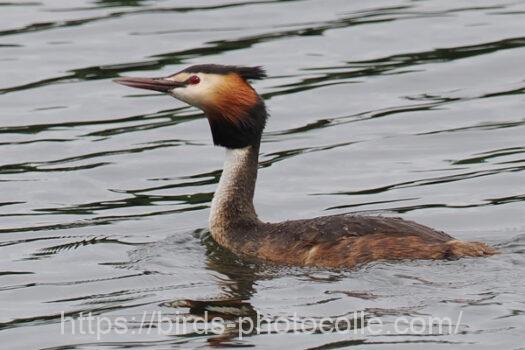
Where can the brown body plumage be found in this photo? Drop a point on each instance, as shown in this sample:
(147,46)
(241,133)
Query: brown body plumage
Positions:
(237,117)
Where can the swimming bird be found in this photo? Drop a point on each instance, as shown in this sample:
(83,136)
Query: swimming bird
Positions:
(237,116)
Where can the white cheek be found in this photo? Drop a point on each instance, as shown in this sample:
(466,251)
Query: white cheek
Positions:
(186,94)
(179,94)
(194,95)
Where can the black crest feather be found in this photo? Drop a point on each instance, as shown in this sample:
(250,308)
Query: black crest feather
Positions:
(247,73)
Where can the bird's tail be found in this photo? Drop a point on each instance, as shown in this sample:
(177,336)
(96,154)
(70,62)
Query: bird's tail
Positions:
(458,249)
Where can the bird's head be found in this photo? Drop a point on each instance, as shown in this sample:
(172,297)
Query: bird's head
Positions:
(235,111)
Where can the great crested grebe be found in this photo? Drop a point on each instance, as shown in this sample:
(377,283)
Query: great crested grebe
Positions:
(237,116)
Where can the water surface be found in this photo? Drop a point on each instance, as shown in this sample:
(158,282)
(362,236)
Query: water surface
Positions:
(406,108)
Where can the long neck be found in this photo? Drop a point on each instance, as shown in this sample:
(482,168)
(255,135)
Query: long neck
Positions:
(232,207)
(233,218)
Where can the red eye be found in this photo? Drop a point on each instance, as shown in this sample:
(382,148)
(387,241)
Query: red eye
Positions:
(193,80)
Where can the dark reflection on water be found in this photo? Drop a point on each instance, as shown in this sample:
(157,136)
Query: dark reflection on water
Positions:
(406,108)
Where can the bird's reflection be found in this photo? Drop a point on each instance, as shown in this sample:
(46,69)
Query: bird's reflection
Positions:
(236,278)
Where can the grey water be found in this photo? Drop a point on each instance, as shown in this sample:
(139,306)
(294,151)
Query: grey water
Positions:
(402,108)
